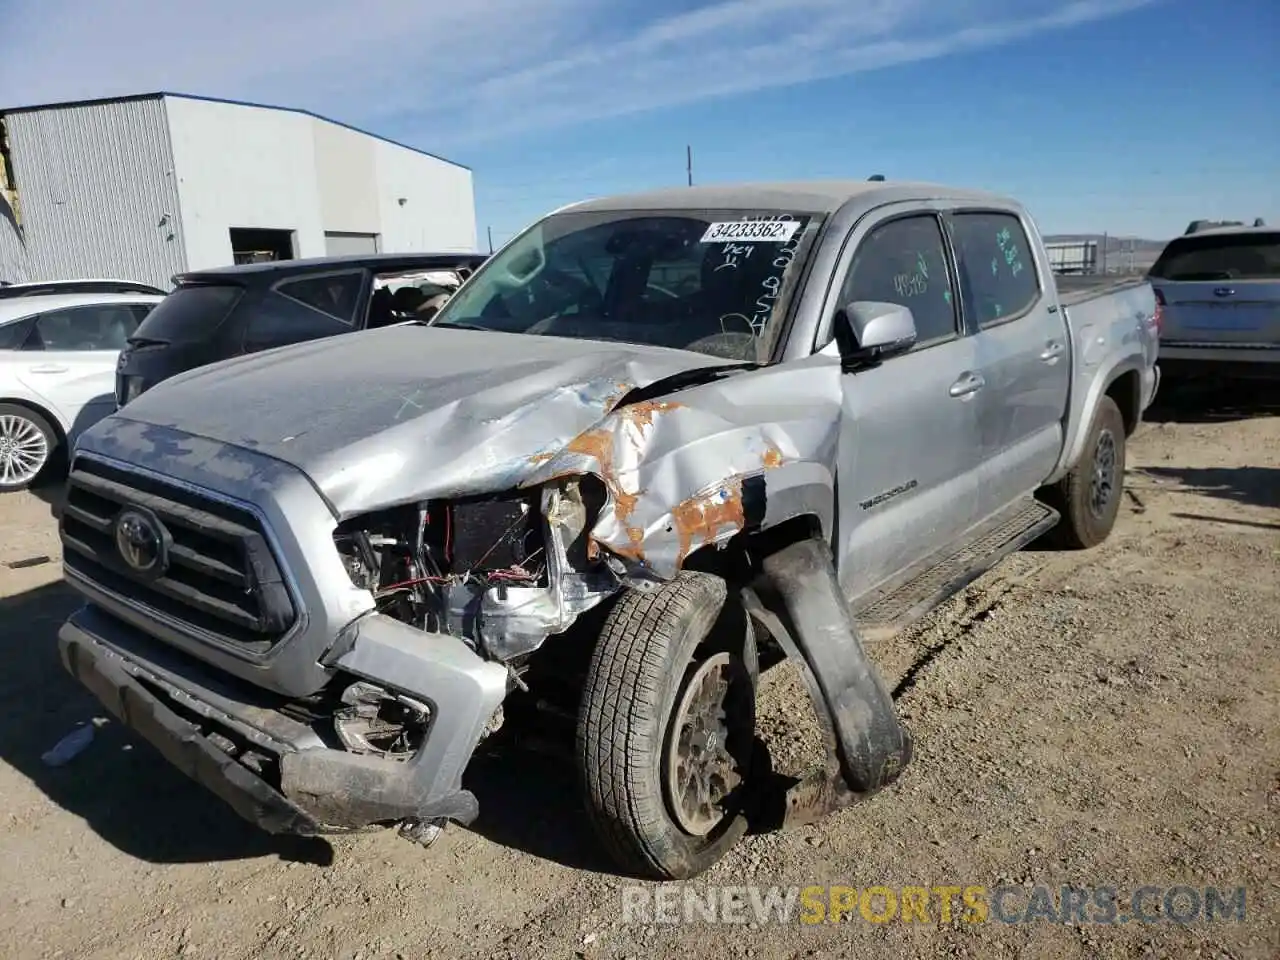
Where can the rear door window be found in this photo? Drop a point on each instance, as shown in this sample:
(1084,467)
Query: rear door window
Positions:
(1238,256)
(334,294)
(96,327)
(996,266)
(278,321)
(189,314)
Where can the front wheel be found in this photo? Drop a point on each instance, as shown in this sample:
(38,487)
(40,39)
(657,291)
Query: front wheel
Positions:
(1089,496)
(26,444)
(666,731)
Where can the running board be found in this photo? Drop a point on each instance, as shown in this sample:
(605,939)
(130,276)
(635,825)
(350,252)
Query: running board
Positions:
(895,606)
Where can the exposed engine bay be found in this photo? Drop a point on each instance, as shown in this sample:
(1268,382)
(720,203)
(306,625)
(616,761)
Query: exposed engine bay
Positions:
(502,572)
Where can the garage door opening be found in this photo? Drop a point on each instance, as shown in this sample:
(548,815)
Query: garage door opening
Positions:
(350,244)
(258,246)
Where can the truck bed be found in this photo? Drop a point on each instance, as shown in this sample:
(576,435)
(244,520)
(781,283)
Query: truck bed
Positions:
(1073,289)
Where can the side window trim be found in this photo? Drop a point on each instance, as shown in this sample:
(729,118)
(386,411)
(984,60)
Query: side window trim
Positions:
(351,321)
(17,325)
(32,341)
(972,323)
(917,211)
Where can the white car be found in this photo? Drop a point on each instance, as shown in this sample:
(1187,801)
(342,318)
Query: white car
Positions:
(57,372)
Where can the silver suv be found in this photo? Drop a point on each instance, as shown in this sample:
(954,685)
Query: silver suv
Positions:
(1220,289)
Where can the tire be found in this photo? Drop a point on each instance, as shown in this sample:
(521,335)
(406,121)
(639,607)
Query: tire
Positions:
(27,445)
(651,651)
(1083,525)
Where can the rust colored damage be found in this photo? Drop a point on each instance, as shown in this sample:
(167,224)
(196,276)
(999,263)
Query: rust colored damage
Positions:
(598,444)
(772,458)
(615,398)
(700,519)
(641,414)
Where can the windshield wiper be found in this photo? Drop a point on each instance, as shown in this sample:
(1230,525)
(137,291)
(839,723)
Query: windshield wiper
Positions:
(454,324)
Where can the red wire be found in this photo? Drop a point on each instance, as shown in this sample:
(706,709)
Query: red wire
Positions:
(411,583)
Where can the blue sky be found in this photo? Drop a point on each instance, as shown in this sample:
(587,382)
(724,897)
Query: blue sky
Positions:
(1128,116)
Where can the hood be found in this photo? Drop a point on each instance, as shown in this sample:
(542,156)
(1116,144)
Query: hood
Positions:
(409,412)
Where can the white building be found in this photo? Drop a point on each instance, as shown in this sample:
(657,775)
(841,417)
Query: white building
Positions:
(144,187)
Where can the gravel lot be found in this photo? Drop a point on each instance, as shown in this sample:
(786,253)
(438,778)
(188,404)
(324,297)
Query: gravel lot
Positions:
(1108,718)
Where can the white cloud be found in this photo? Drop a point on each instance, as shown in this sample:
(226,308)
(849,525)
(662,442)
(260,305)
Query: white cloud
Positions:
(446,71)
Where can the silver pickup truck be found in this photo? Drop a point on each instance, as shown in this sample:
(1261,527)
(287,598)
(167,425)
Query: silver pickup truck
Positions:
(656,444)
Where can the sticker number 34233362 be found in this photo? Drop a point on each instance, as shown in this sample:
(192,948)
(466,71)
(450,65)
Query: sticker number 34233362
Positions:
(748,231)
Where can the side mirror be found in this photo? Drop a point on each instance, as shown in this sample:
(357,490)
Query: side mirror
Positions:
(869,331)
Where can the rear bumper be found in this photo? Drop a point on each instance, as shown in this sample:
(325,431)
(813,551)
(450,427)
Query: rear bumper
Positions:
(1257,355)
(210,727)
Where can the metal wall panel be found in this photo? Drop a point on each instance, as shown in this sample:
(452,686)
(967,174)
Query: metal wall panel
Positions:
(97,191)
(349,244)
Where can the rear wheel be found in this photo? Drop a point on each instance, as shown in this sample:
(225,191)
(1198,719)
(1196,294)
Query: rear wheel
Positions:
(1089,496)
(666,731)
(27,443)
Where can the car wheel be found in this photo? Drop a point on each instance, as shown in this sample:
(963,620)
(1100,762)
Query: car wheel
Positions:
(1089,496)
(27,443)
(666,731)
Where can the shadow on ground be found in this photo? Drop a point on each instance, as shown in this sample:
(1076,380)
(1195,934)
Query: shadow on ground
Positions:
(1214,401)
(51,488)
(531,801)
(122,788)
(1228,521)
(1252,486)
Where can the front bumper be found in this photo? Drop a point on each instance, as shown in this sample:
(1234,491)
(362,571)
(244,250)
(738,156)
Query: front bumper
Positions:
(178,740)
(191,713)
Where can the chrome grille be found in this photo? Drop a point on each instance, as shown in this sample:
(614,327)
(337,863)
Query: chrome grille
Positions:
(222,582)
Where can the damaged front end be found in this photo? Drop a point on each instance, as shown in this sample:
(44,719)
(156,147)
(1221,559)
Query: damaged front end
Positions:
(501,572)
(443,586)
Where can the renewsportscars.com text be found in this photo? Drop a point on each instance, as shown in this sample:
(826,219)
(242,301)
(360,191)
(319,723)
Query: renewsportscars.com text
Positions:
(943,903)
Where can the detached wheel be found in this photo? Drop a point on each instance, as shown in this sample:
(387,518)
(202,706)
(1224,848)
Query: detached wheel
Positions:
(27,443)
(666,731)
(1089,496)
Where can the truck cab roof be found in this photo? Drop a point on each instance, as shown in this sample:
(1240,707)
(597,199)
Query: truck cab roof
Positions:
(815,196)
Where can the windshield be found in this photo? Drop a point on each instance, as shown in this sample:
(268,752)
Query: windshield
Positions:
(1232,256)
(188,314)
(711,281)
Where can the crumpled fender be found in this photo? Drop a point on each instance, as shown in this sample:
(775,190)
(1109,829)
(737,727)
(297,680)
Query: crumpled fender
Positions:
(696,467)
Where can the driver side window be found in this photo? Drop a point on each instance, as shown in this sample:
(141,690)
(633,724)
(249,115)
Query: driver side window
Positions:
(904,261)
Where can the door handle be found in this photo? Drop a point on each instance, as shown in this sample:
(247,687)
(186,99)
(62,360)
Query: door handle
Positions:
(1052,351)
(967,385)
(47,368)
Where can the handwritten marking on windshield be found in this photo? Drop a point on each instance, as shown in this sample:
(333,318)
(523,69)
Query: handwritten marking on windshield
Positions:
(411,400)
(772,284)
(734,252)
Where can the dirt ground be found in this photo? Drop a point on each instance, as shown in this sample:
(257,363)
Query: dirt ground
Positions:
(1107,718)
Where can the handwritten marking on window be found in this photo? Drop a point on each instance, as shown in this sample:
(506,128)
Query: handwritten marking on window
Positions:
(771,285)
(910,284)
(1012,256)
(733,254)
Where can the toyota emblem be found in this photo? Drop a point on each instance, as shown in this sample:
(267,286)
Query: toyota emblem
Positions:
(142,542)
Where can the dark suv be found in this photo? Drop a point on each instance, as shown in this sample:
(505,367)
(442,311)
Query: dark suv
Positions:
(215,314)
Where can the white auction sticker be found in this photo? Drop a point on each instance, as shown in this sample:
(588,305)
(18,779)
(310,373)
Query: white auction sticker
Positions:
(751,231)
